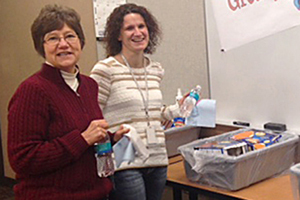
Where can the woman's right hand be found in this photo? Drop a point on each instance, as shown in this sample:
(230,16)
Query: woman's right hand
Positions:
(95,132)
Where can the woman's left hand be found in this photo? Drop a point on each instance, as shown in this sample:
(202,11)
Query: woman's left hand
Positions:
(119,133)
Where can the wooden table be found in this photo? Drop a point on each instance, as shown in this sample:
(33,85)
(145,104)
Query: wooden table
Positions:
(278,188)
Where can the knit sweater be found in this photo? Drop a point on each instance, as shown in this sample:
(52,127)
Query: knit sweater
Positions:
(45,146)
(121,103)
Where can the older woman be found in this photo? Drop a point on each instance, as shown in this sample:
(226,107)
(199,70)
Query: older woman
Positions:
(129,92)
(54,118)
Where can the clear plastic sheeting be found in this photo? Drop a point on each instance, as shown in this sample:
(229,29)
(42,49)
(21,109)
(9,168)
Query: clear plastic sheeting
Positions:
(295,180)
(236,172)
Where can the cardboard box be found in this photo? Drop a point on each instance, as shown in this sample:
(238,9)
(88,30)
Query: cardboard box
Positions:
(236,172)
(177,136)
(228,147)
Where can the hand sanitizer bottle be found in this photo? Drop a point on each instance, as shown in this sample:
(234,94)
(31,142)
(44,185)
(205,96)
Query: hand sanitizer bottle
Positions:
(178,121)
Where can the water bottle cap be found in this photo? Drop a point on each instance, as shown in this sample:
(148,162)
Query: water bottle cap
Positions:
(195,95)
(198,88)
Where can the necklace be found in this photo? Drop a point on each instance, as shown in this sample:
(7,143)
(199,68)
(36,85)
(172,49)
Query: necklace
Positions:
(150,131)
(145,100)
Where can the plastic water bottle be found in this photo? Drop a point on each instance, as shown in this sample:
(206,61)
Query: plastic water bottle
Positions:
(105,163)
(190,102)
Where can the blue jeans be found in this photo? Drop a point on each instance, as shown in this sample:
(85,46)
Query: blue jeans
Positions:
(139,184)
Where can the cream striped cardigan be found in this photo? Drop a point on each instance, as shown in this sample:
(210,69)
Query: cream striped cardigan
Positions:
(121,103)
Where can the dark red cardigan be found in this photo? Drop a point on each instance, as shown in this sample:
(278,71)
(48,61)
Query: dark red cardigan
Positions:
(45,147)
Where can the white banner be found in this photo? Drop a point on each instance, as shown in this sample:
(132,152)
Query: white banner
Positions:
(243,21)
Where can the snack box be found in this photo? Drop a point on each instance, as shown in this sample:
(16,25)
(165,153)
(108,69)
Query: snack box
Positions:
(236,172)
(227,147)
(257,139)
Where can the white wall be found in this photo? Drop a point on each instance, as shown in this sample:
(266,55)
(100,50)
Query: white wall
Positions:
(257,82)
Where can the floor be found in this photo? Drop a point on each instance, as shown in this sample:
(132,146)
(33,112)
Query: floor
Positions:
(6,193)
(167,195)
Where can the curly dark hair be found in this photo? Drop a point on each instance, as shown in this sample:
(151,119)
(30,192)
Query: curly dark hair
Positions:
(115,22)
(53,17)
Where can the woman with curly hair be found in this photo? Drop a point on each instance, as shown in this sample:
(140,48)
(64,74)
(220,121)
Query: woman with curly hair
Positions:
(129,93)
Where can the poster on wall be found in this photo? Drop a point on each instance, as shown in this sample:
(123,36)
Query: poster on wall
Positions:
(242,21)
(102,9)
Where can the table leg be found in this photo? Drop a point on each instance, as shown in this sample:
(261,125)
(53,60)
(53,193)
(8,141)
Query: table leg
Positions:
(193,196)
(177,194)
